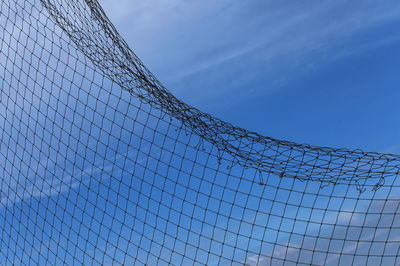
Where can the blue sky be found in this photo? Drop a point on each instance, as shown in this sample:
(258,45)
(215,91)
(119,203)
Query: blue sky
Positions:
(85,176)
(320,72)
(317,72)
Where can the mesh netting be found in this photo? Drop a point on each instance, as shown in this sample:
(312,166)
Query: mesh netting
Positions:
(100,164)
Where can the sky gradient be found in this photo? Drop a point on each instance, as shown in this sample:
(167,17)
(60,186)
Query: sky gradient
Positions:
(323,73)
(92,174)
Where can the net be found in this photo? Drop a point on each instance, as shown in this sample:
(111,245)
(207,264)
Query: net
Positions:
(100,164)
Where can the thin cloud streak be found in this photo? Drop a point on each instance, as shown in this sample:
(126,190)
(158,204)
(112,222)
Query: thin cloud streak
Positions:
(181,43)
(53,186)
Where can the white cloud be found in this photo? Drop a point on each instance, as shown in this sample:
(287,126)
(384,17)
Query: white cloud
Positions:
(178,38)
(49,186)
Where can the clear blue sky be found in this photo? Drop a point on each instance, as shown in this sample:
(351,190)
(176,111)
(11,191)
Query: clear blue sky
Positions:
(320,72)
(317,72)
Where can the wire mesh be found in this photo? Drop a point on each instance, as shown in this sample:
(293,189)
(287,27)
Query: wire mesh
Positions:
(101,164)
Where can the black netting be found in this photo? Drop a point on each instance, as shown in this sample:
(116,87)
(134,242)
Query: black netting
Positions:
(100,164)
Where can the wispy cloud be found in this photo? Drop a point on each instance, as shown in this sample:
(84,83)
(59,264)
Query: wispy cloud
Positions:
(358,234)
(217,40)
(57,184)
